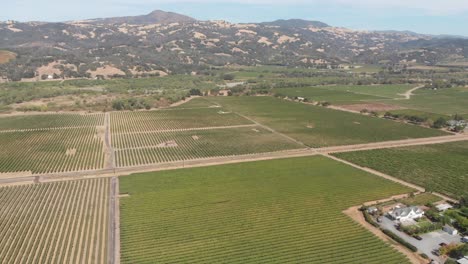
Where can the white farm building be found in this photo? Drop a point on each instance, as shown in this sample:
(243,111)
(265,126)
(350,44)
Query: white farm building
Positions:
(406,213)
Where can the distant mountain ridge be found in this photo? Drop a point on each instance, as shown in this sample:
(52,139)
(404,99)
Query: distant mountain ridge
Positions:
(295,23)
(163,42)
(155,17)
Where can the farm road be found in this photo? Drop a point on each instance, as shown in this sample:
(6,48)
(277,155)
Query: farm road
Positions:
(114,223)
(409,93)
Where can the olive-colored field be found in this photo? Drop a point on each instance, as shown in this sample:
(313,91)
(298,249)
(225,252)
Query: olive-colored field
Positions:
(6,56)
(441,168)
(319,126)
(281,211)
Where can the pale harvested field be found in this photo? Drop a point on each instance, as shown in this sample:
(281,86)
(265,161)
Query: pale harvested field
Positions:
(62,222)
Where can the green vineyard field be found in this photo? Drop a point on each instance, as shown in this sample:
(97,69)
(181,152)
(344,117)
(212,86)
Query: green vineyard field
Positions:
(281,211)
(129,122)
(49,121)
(157,147)
(47,151)
(63,222)
(440,167)
(319,126)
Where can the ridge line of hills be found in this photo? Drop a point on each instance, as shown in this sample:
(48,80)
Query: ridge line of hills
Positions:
(161,42)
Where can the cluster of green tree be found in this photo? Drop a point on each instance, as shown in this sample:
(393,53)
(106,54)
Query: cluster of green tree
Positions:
(130,104)
(410,118)
(368,217)
(455,251)
(421,228)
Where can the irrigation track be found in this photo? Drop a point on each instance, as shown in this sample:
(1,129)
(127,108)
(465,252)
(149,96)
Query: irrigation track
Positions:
(230,159)
(108,149)
(43,129)
(114,234)
(184,129)
(273,131)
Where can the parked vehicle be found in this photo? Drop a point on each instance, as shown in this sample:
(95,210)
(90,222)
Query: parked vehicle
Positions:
(442,244)
(464,239)
(417,237)
(436,252)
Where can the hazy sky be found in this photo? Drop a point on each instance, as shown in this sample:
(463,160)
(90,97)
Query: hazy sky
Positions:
(424,16)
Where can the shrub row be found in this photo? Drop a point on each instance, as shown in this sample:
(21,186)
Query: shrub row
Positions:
(399,240)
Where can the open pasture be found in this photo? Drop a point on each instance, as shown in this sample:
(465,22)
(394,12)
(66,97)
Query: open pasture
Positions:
(319,94)
(281,211)
(49,121)
(47,151)
(441,168)
(171,119)
(158,147)
(319,126)
(62,222)
(345,94)
(448,101)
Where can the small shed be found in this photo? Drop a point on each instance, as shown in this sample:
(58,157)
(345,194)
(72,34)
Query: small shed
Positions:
(372,210)
(443,207)
(463,260)
(452,231)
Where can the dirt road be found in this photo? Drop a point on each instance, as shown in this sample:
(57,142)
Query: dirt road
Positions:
(108,150)
(232,159)
(407,95)
(114,223)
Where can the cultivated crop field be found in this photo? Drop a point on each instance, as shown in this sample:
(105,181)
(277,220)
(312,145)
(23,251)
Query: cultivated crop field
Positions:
(34,122)
(319,126)
(47,151)
(63,222)
(441,168)
(157,147)
(171,119)
(279,211)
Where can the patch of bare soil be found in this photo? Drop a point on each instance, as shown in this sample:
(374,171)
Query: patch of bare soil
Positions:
(19,174)
(53,68)
(6,56)
(356,123)
(255,130)
(195,137)
(107,70)
(168,144)
(377,107)
(311,125)
(70,152)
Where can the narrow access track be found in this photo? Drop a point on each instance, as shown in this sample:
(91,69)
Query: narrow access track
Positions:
(407,95)
(274,131)
(110,153)
(114,234)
